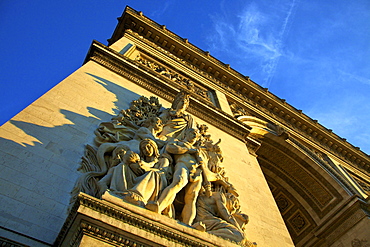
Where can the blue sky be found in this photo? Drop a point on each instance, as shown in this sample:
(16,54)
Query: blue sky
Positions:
(315,54)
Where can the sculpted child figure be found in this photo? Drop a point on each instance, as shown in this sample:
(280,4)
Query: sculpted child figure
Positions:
(186,174)
(122,176)
(126,174)
(149,185)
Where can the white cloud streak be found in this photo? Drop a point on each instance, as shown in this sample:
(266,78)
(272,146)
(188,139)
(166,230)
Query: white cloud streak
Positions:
(353,77)
(258,35)
(161,10)
(282,34)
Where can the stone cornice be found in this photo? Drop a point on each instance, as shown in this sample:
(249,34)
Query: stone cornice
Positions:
(314,135)
(270,115)
(166,89)
(4,242)
(259,99)
(351,212)
(103,235)
(309,136)
(98,217)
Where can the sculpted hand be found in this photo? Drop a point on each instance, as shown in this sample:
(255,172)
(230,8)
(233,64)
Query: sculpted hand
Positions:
(136,168)
(193,151)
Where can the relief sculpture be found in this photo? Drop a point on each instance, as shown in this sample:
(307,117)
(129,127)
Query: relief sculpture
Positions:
(161,160)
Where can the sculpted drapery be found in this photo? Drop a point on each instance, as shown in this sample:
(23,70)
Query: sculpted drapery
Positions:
(161,160)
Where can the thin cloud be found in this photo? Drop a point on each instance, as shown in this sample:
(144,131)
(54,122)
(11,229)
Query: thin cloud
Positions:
(283,33)
(353,77)
(161,10)
(258,35)
(251,35)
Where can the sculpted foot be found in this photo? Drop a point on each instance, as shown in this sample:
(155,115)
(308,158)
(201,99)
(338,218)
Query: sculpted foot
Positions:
(200,226)
(133,198)
(152,206)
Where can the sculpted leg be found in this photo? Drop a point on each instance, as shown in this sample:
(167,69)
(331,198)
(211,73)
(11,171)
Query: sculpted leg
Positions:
(180,179)
(191,194)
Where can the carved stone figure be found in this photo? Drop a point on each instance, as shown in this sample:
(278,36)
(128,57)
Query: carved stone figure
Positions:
(95,164)
(150,128)
(159,160)
(186,158)
(121,177)
(175,120)
(126,174)
(217,213)
(149,186)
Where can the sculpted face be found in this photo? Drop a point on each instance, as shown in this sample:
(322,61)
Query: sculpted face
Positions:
(232,203)
(191,135)
(154,124)
(182,105)
(148,150)
(158,126)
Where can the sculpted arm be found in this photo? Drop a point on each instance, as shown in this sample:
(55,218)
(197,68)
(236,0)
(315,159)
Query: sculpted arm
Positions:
(145,166)
(222,209)
(175,148)
(105,182)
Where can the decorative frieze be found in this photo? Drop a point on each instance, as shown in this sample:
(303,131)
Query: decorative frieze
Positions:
(177,77)
(245,89)
(201,108)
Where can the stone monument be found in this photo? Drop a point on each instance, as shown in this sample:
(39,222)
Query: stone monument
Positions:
(154,142)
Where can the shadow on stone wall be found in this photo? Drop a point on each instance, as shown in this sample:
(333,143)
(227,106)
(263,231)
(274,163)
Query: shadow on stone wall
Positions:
(36,180)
